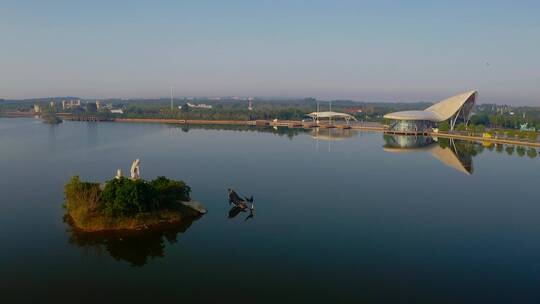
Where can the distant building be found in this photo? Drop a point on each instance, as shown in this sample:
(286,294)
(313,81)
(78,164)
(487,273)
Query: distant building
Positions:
(72,104)
(37,108)
(199,106)
(98,104)
(452,109)
(117,111)
(316,116)
(525,127)
(250,104)
(354,110)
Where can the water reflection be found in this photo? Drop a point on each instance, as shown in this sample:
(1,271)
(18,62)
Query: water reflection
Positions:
(136,248)
(91,135)
(333,134)
(456,154)
(234,211)
(280,131)
(52,137)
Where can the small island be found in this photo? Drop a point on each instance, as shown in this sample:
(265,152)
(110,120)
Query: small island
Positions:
(50,118)
(128,203)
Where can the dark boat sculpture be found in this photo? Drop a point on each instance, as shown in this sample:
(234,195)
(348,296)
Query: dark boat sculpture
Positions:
(241,203)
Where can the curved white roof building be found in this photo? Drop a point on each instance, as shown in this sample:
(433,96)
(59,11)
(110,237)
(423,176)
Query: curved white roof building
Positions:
(453,109)
(330,114)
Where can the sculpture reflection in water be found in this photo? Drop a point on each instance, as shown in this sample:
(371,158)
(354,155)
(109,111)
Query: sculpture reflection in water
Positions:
(240,205)
(136,247)
(456,154)
(236,210)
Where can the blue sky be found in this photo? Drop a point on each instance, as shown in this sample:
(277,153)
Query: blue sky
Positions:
(363,50)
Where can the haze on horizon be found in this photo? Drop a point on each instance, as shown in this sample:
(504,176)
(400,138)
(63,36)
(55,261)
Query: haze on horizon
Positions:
(360,50)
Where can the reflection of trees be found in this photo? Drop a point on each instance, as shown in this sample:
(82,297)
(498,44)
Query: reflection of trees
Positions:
(280,131)
(520,150)
(462,146)
(135,247)
(464,150)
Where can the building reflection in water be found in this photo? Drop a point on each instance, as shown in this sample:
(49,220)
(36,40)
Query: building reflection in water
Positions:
(456,154)
(332,134)
(136,248)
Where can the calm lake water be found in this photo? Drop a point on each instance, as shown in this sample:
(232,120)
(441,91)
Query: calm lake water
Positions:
(340,217)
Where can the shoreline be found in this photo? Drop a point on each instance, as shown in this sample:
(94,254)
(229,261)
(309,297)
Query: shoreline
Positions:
(482,139)
(372,127)
(137,228)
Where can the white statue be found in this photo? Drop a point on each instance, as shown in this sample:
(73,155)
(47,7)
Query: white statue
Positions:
(118,174)
(135,172)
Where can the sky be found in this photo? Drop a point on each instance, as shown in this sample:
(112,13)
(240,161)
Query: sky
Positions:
(360,50)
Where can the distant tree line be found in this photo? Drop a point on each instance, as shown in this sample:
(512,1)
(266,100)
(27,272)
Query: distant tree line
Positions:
(485,116)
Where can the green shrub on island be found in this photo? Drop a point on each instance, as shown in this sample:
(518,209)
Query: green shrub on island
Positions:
(170,191)
(124,197)
(122,203)
(82,195)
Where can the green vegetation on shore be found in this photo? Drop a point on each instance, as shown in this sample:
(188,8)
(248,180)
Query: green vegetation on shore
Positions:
(125,204)
(502,121)
(480,130)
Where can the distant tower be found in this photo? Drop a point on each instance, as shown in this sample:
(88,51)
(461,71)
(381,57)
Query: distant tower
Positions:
(98,104)
(172,98)
(317,113)
(250,103)
(330,118)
